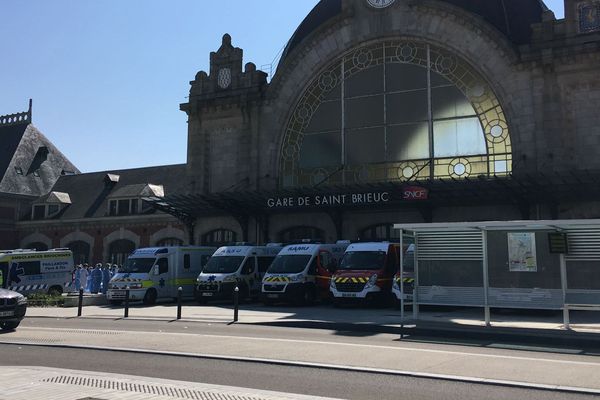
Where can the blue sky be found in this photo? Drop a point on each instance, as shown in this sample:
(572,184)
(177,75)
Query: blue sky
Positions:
(107,76)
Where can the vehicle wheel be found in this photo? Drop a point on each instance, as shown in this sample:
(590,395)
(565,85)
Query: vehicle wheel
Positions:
(9,326)
(150,297)
(309,297)
(116,302)
(55,291)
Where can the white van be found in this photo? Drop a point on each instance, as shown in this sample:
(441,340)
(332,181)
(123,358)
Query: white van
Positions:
(157,273)
(231,265)
(301,273)
(30,271)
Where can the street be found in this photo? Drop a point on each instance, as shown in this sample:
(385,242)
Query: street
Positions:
(332,363)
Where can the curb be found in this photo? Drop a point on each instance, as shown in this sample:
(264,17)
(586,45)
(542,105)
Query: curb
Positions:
(303,364)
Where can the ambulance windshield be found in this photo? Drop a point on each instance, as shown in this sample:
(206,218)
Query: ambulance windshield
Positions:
(222,265)
(137,265)
(363,260)
(289,264)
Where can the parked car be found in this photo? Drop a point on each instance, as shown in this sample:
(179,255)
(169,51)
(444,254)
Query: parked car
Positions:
(13,306)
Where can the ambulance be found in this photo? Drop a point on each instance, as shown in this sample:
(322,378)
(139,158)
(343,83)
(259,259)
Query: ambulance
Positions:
(243,265)
(30,271)
(366,272)
(300,273)
(406,277)
(157,273)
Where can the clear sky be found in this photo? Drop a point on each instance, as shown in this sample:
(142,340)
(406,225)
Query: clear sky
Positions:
(107,76)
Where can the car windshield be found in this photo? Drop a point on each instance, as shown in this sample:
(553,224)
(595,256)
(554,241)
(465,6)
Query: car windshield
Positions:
(363,260)
(223,265)
(137,265)
(289,264)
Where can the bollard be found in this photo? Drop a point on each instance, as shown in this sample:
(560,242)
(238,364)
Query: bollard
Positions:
(80,304)
(179,295)
(127,302)
(236,302)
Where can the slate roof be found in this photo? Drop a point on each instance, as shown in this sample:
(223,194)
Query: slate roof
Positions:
(29,163)
(511,17)
(90,192)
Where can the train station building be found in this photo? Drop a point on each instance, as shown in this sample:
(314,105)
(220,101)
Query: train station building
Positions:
(379,112)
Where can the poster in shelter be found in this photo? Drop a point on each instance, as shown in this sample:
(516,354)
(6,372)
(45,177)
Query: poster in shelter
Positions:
(521,252)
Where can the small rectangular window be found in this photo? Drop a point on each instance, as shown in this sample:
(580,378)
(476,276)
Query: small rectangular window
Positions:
(39,212)
(187,264)
(30,267)
(112,207)
(18,170)
(163,266)
(123,208)
(134,206)
(53,209)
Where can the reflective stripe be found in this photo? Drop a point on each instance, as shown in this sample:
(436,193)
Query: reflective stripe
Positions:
(182,281)
(147,284)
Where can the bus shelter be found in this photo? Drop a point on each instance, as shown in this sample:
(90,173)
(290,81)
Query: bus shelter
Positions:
(546,265)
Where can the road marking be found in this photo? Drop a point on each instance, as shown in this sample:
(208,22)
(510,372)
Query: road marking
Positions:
(367,346)
(426,375)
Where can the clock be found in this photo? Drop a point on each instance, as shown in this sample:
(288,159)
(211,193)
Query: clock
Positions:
(380,3)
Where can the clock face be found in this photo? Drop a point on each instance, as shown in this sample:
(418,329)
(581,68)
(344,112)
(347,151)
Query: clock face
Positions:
(380,3)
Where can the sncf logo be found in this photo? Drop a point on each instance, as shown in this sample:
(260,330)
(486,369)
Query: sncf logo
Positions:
(415,193)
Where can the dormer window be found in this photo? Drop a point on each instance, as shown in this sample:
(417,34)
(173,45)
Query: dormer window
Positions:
(127,200)
(19,170)
(50,205)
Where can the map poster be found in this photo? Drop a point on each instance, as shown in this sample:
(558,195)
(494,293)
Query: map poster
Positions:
(521,252)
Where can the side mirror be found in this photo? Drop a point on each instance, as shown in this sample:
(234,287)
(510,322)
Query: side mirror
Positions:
(155,270)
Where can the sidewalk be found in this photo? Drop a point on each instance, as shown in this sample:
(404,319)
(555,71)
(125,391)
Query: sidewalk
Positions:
(49,384)
(585,326)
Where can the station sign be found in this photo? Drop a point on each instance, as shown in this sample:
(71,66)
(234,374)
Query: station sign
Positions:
(407,193)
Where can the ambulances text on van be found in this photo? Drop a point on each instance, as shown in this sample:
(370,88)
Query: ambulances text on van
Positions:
(301,272)
(366,272)
(157,273)
(243,266)
(30,271)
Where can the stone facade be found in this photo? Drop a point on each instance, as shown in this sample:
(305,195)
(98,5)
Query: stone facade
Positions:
(548,87)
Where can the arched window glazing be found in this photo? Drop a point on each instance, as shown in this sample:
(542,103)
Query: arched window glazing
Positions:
(395,111)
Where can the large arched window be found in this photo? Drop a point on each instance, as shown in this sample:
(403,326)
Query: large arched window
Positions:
(395,111)
(119,250)
(81,251)
(384,232)
(299,233)
(169,242)
(219,237)
(39,246)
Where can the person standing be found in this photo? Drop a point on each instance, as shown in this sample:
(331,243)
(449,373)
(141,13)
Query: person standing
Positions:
(105,278)
(83,278)
(96,279)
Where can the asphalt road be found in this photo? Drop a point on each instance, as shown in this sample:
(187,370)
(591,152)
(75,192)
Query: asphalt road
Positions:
(301,380)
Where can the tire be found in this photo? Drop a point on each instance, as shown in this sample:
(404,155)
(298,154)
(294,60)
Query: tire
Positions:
(150,297)
(55,290)
(309,297)
(9,326)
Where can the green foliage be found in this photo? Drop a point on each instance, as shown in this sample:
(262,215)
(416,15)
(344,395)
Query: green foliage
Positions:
(45,300)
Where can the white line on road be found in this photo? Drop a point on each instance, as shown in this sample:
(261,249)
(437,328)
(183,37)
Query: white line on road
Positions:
(328,343)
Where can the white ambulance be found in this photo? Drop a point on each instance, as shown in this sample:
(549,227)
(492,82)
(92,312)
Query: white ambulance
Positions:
(301,272)
(243,266)
(156,273)
(30,271)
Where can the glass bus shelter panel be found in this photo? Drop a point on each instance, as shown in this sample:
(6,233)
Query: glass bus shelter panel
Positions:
(450,268)
(583,267)
(528,277)
(451,282)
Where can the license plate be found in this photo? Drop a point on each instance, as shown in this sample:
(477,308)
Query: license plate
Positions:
(348,294)
(118,293)
(205,294)
(272,296)
(7,313)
